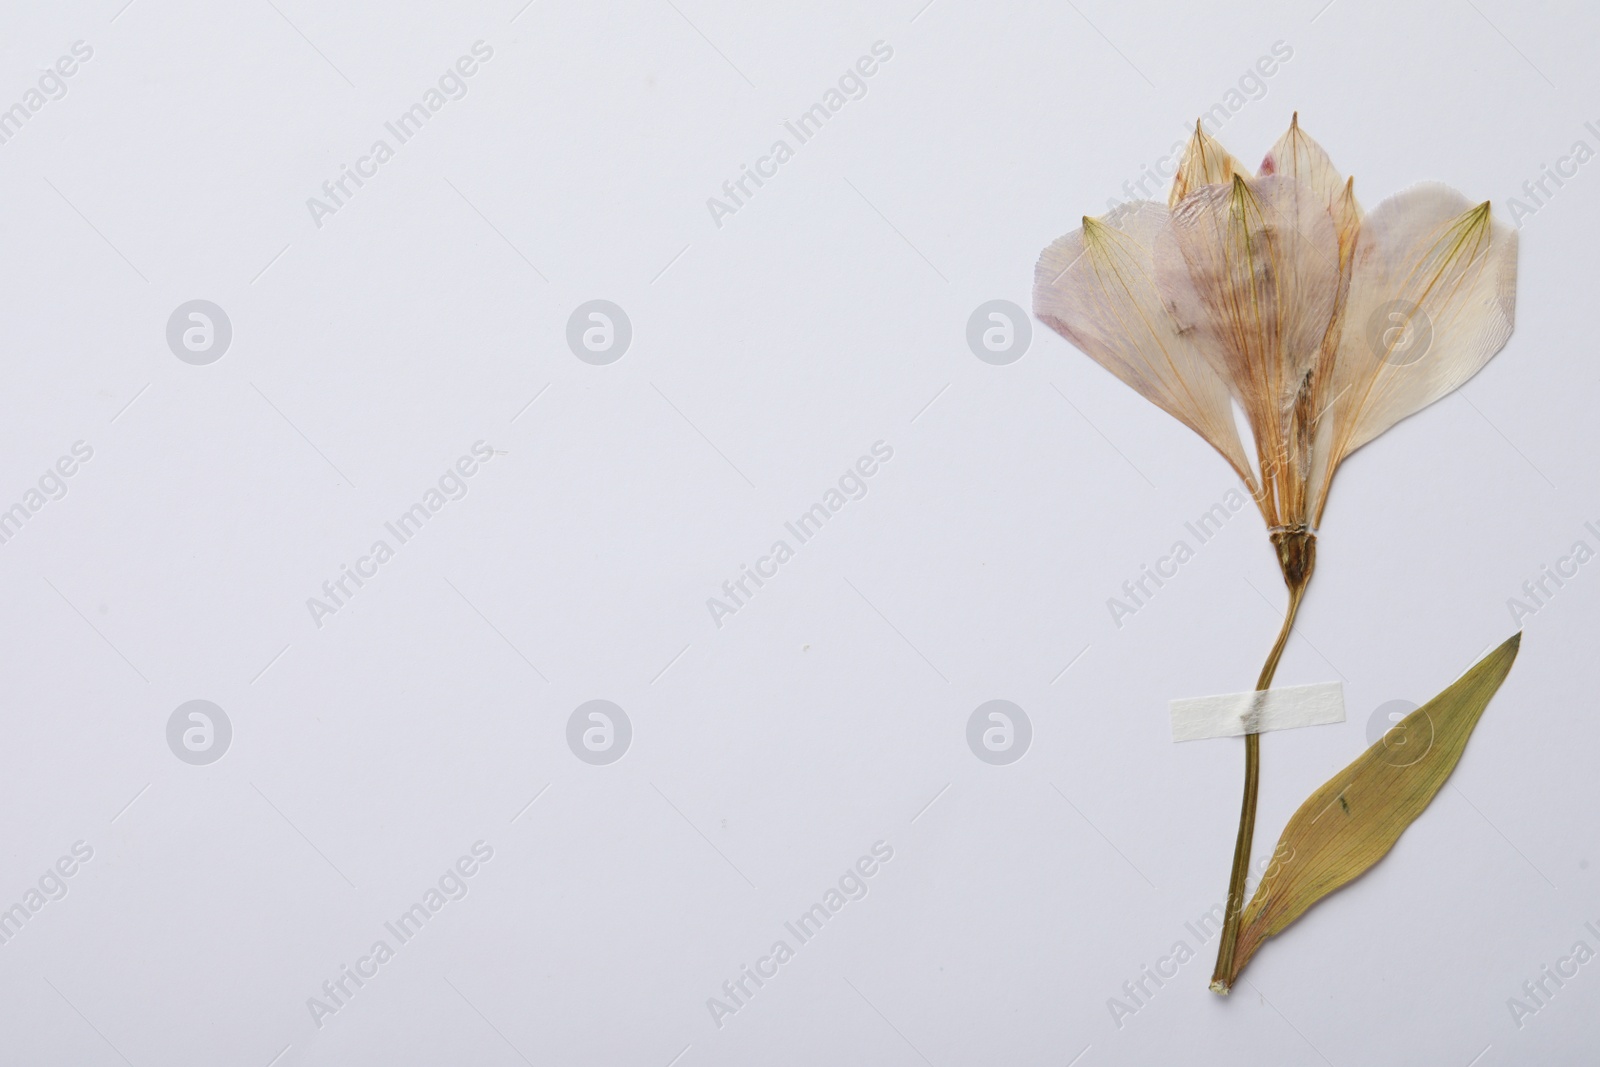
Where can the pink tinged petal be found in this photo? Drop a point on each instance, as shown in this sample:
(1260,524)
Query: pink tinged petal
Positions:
(1432,297)
(1296,156)
(1096,287)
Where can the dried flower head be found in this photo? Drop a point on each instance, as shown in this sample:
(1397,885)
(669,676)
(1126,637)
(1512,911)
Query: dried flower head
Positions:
(1325,325)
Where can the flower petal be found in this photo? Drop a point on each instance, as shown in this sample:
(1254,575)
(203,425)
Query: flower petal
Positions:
(1432,298)
(1205,162)
(1298,157)
(1096,287)
(1318,429)
(1252,268)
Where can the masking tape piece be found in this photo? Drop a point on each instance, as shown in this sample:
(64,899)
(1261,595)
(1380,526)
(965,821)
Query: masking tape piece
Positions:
(1236,714)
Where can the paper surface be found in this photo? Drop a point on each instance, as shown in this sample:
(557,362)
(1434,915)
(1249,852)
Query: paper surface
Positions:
(538,666)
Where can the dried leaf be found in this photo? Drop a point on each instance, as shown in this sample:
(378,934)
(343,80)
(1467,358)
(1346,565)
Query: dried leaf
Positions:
(1353,820)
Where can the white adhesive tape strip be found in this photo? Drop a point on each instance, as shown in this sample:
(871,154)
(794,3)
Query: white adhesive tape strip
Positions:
(1236,714)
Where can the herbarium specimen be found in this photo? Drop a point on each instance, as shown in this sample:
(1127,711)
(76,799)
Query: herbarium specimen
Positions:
(1325,325)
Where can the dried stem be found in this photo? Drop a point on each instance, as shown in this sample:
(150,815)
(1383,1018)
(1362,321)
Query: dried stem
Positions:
(1296,556)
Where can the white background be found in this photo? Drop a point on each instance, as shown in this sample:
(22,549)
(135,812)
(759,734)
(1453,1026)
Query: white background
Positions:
(768,354)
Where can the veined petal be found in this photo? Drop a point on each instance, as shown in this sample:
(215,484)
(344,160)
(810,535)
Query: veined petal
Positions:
(1298,157)
(1432,298)
(1096,287)
(1319,430)
(1347,217)
(1252,268)
(1205,162)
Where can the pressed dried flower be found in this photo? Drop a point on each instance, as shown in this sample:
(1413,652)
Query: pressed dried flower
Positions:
(1276,294)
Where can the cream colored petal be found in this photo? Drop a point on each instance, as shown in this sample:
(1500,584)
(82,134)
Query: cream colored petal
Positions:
(1096,287)
(1347,216)
(1298,157)
(1252,269)
(1347,223)
(1205,162)
(1432,297)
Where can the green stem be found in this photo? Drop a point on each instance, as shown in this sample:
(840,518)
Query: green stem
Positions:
(1296,555)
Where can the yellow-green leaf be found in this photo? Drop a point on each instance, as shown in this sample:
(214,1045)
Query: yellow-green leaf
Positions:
(1357,816)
